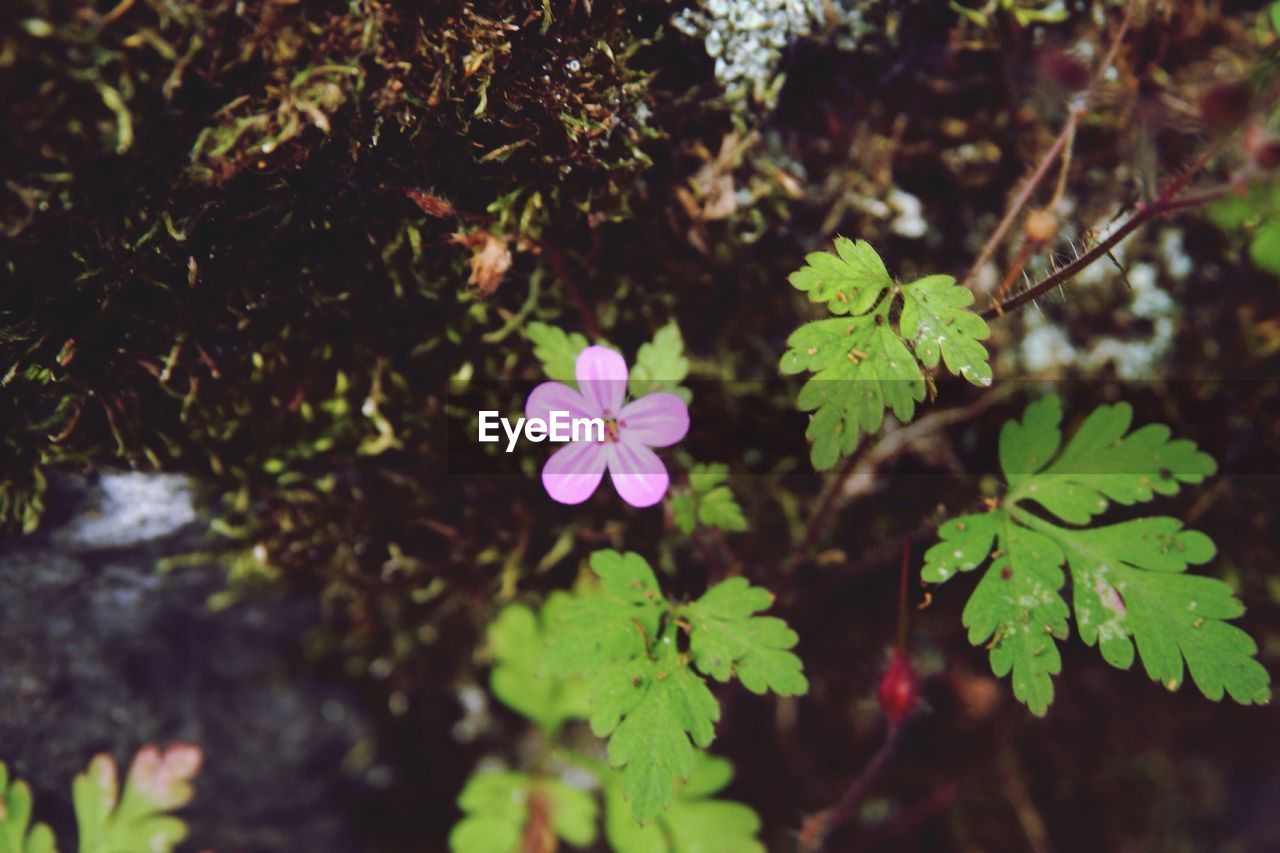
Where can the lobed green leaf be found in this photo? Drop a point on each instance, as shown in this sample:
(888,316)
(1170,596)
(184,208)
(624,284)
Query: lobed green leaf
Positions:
(17,835)
(520,677)
(1130,586)
(137,818)
(692,823)
(654,731)
(861,363)
(1102,462)
(937,320)
(727,639)
(850,281)
(860,368)
(1130,590)
(1018,610)
(661,365)
(497,807)
(557,350)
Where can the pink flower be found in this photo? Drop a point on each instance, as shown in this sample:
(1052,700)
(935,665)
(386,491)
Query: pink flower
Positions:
(574,471)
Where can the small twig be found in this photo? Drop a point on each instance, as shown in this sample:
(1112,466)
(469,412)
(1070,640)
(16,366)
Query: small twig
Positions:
(714,567)
(864,462)
(1024,195)
(816,829)
(819,518)
(940,799)
(555,259)
(727,556)
(1161,206)
(1195,200)
(1023,806)
(1061,147)
(1065,166)
(1024,254)
(904,573)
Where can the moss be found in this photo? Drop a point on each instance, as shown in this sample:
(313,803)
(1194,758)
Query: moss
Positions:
(229,244)
(231,226)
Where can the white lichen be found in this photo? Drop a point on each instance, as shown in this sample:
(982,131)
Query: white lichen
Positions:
(1140,358)
(746,38)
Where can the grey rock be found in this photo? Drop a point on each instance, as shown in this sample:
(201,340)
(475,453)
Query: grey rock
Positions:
(103,654)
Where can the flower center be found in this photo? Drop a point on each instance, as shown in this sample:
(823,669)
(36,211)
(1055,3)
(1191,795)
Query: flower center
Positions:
(612,429)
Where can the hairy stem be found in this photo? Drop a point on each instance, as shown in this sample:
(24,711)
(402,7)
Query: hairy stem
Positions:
(1145,212)
(1024,195)
(1061,148)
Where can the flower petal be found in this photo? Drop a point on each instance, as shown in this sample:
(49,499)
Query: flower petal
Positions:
(655,420)
(556,397)
(637,473)
(573,472)
(602,376)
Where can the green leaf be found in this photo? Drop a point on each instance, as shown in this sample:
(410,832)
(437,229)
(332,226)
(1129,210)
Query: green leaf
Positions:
(1232,212)
(495,809)
(1264,248)
(644,696)
(617,624)
(704,478)
(661,365)
(1017,609)
(557,350)
(965,544)
(520,677)
(860,368)
(936,319)
(1129,581)
(138,819)
(1257,210)
(654,716)
(719,508)
(17,835)
(709,503)
(1101,463)
(693,823)
(850,282)
(1026,446)
(684,511)
(498,806)
(861,363)
(727,639)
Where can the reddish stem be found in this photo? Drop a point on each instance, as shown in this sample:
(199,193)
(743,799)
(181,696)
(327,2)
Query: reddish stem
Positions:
(902,596)
(828,502)
(816,829)
(1163,205)
(555,260)
(1024,195)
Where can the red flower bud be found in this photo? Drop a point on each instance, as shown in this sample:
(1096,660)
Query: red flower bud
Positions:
(899,690)
(1225,106)
(1267,155)
(1067,72)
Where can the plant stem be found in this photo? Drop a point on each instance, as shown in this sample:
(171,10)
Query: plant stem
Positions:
(828,502)
(1024,195)
(816,829)
(555,260)
(902,594)
(1163,205)
(1061,147)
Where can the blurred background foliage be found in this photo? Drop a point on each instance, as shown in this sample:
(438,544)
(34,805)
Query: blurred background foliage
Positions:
(252,240)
